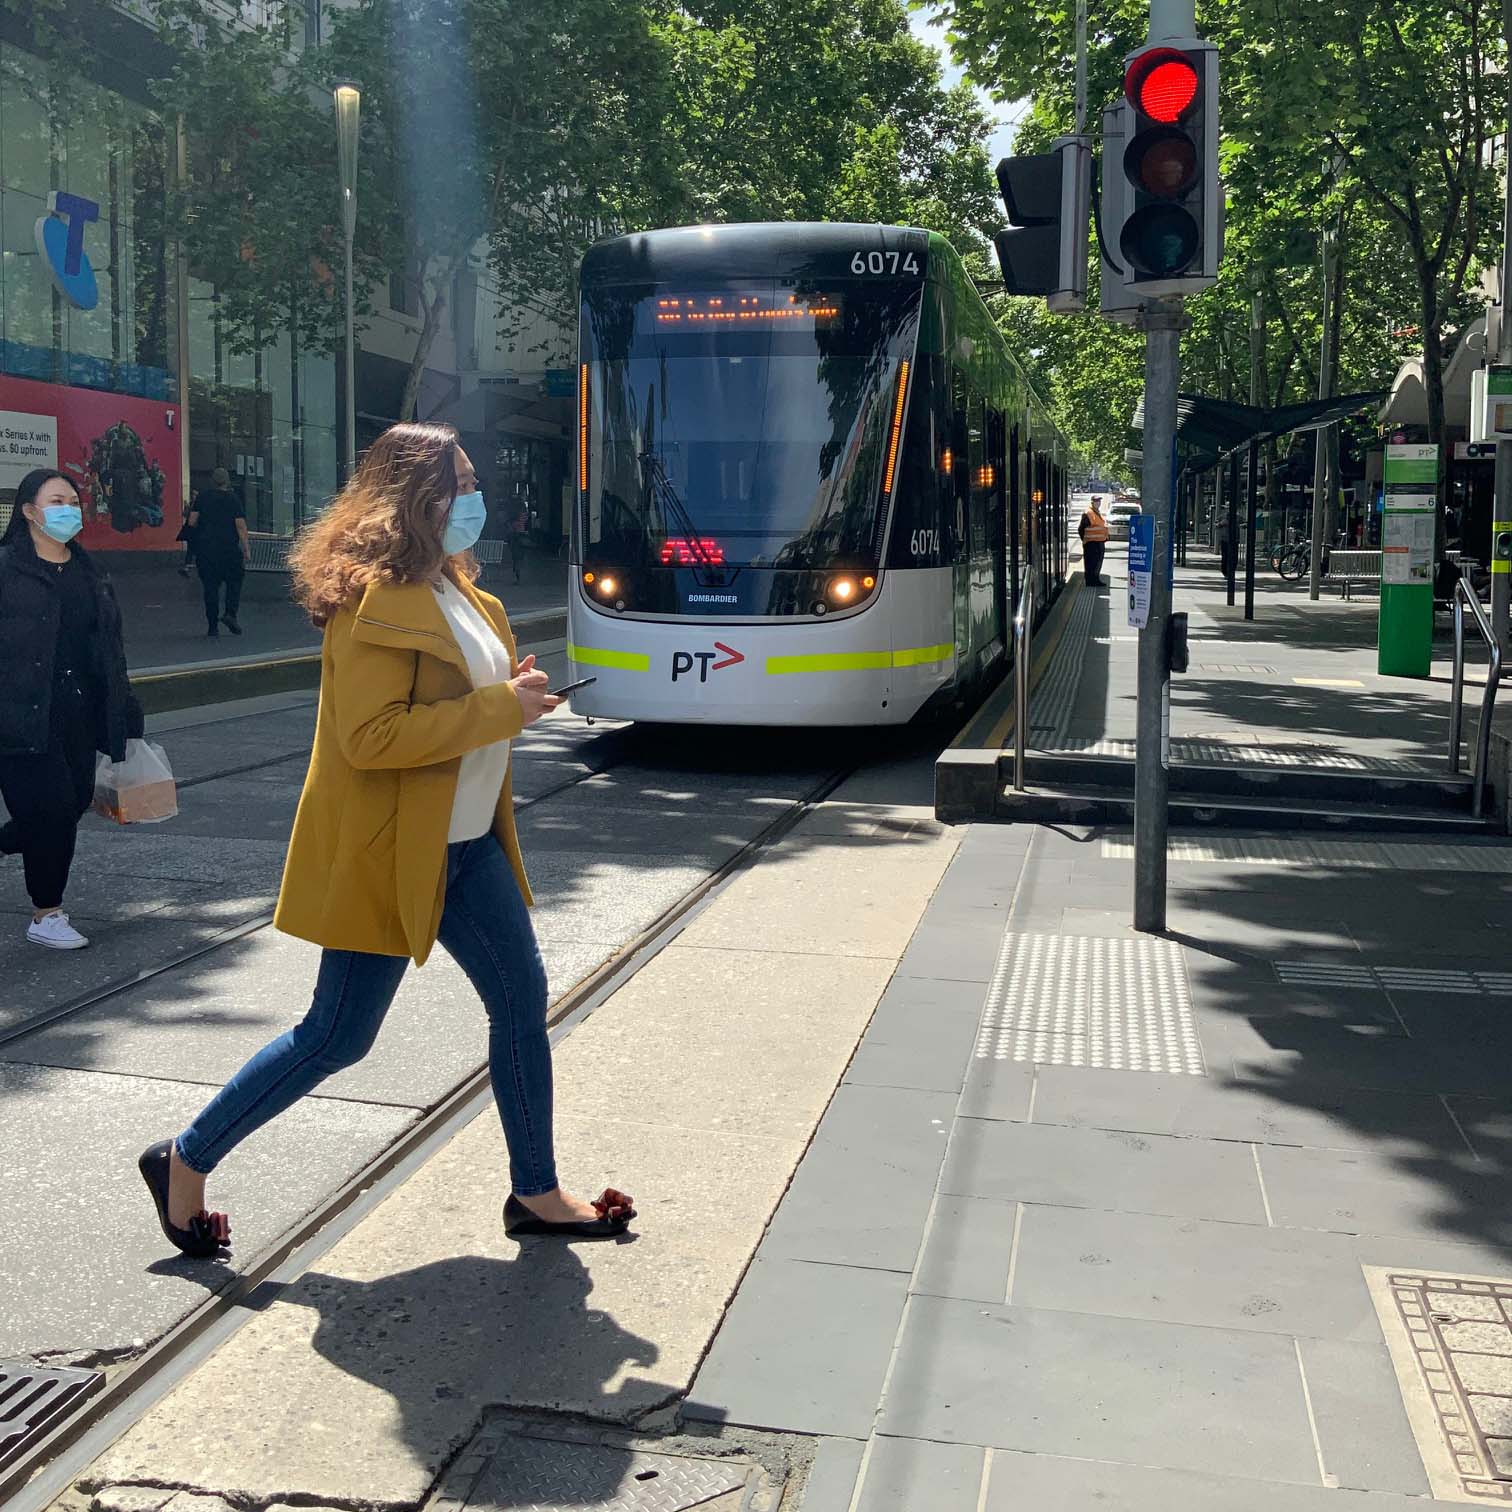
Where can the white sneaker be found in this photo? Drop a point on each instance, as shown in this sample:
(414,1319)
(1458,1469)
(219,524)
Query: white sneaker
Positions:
(54,931)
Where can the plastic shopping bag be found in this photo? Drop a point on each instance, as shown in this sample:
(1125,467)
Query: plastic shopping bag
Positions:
(138,790)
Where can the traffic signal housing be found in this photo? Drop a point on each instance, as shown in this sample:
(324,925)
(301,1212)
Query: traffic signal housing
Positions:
(1170,224)
(1043,249)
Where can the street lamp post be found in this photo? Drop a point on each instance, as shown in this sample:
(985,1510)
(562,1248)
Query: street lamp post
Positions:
(348,106)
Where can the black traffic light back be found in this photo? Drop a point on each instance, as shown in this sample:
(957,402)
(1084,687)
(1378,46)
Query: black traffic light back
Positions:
(1043,249)
(1028,247)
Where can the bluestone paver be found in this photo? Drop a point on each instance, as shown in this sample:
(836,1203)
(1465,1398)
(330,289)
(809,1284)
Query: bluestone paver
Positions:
(832,1476)
(803,1348)
(921,1036)
(1101,1387)
(862,1194)
(913,1475)
(1369,1193)
(1142,1173)
(968,1250)
(1364,1438)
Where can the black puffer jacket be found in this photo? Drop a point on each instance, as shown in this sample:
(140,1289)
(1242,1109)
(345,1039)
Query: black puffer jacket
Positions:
(29,642)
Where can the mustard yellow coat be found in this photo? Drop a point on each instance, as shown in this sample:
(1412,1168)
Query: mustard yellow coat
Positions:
(366,868)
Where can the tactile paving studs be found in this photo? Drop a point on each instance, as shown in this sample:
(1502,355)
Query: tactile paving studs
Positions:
(1066,1000)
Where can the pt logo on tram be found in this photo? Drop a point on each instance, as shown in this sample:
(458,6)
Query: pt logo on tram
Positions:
(684,661)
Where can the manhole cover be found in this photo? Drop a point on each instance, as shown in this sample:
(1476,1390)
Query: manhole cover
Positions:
(1451,1342)
(1071,1000)
(32,1400)
(548,1475)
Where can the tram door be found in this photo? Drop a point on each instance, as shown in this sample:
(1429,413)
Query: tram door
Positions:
(997,470)
(1014,505)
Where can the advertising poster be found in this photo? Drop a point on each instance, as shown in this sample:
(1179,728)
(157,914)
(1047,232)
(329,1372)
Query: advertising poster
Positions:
(122,454)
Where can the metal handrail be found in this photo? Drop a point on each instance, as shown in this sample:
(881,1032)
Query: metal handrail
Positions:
(1463,595)
(1023,639)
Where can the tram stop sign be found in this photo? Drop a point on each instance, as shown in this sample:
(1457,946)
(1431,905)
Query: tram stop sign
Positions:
(1404,646)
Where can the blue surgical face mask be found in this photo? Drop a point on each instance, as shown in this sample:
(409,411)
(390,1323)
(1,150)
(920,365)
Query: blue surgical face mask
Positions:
(62,522)
(465,523)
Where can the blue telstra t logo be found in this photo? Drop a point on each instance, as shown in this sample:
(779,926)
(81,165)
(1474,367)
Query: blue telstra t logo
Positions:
(60,244)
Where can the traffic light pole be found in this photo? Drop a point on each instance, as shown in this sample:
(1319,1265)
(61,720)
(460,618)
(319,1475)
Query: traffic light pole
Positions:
(1163,321)
(1501,571)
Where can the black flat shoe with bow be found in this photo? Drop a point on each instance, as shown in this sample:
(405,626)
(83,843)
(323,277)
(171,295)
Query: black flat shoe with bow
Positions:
(615,1210)
(199,1240)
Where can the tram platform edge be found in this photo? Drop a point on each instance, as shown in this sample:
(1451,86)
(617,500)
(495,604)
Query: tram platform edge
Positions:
(966,771)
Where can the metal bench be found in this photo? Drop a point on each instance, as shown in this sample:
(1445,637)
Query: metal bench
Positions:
(1347,568)
(269,553)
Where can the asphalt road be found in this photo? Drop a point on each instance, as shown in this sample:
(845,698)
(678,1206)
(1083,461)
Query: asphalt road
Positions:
(618,822)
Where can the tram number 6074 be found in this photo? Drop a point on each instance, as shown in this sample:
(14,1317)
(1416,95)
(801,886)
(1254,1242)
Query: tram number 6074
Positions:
(924,542)
(884,262)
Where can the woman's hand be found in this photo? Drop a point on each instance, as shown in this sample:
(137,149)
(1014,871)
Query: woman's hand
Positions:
(530,688)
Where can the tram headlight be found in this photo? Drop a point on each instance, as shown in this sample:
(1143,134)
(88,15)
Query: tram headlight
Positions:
(608,586)
(843,590)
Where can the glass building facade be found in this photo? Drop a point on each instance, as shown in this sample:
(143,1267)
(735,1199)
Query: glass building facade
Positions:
(113,385)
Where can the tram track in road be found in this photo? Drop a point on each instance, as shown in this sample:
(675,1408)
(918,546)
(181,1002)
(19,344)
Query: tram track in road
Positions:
(129,981)
(32,1480)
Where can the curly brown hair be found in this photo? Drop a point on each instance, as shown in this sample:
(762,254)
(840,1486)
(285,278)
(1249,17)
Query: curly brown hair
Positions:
(385,526)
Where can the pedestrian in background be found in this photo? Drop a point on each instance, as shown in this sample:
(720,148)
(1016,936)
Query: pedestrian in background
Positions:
(186,535)
(1228,551)
(218,526)
(1093,531)
(405,833)
(64,692)
(518,524)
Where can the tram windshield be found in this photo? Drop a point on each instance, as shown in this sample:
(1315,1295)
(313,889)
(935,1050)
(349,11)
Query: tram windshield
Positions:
(745,426)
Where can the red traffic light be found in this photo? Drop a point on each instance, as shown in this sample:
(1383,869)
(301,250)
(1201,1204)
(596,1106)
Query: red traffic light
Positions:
(1162,84)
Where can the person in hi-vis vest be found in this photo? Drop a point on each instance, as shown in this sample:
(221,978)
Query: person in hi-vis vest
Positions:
(1093,531)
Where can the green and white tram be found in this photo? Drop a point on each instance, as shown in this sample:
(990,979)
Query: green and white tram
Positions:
(811,478)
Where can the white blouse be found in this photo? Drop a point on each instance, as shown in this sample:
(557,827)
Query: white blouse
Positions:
(481,778)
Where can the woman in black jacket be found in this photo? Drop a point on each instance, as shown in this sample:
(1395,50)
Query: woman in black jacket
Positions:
(64,692)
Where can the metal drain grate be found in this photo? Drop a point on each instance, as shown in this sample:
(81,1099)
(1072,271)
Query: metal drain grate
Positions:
(1451,1341)
(550,1475)
(32,1400)
(1301,850)
(1396,978)
(1067,1000)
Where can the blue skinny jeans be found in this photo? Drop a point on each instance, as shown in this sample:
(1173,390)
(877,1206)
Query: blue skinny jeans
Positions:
(486,928)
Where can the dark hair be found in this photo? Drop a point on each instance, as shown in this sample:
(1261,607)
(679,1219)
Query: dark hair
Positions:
(26,492)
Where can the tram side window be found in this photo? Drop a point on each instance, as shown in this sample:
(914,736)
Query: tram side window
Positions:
(923,510)
(980,475)
(960,446)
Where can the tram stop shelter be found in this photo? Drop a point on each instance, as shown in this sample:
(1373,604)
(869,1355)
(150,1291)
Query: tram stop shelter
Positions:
(1211,435)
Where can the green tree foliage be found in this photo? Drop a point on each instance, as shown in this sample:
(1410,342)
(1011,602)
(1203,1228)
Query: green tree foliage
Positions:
(1369,123)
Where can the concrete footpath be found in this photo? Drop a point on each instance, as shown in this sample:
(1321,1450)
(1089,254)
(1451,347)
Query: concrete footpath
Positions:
(956,1196)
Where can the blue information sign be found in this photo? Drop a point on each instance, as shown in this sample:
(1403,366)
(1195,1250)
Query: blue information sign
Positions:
(1141,567)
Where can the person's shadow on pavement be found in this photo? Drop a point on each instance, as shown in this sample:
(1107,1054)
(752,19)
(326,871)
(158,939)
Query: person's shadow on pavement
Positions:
(448,1339)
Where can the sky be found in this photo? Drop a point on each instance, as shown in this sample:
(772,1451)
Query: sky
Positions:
(1007,115)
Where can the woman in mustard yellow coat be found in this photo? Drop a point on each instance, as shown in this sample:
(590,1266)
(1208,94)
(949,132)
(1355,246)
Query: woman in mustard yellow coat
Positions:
(405,832)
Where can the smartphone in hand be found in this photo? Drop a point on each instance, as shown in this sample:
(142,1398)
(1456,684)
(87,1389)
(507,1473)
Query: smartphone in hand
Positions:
(582,682)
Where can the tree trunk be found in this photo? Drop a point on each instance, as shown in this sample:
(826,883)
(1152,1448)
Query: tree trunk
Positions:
(1433,388)
(434,309)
